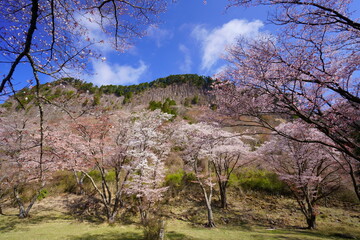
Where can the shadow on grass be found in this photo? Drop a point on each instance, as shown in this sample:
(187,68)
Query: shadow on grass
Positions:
(9,223)
(109,236)
(178,236)
(300,234)
(332,235)
(87,208)
(256,237)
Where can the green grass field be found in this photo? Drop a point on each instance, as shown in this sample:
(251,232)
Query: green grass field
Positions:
(62,228)
(52,220)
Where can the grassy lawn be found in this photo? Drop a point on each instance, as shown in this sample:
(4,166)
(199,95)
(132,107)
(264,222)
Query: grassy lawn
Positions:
(63,227)
(51,219)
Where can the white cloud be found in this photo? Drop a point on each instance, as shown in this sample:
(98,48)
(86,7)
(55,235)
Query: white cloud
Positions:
(94,28)
(185,66)
(215,41)
(158,35)
(90,25)
(106,73)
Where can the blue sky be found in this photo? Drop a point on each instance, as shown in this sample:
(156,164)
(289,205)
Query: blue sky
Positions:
(191,38)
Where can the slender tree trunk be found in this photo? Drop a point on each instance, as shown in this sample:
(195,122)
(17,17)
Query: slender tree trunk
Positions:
(355,181)
(143,215)
(210,222)
(80,183)
(207,197)
(162,230)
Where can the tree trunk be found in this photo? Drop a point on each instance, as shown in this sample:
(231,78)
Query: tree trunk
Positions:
(162,230)
(111,218)
(355,182)
(143,215)
(22,212)
(311,221)
(223,198)
(79,183)
(112,215)
(210,223)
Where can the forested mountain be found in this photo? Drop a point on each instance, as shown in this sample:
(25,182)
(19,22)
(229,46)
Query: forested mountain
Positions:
(75,94)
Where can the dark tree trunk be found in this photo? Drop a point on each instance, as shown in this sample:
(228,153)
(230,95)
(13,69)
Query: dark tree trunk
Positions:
(223,199)
(311,221)
(355,181)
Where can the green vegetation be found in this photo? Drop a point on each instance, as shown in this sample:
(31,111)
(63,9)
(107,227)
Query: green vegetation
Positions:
(43,194)
(127,91)
(96,99)
(191,101)
(7,105)
(175,182)
(195,100)
(127,97)
(213,107)
(152,228)
(63,182)
(175,179)
(259,180)
(167,106)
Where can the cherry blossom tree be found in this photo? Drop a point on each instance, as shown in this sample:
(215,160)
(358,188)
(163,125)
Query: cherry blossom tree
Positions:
(27,159)
(194,139)
(150,146)
(310,71)
(55,36)
(228,153)
(210,151)
(89,144)
(309,169)
(132,147)
(212,154)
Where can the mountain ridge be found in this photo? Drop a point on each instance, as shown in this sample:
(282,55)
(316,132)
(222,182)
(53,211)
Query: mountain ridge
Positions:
(76,96)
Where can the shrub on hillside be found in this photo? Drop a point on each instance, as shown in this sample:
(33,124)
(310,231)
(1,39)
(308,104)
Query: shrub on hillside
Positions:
(166,107)
(63,182)
(154,229)
(259,180)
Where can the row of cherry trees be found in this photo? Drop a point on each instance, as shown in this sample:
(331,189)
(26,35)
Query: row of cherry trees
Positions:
(135,147)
